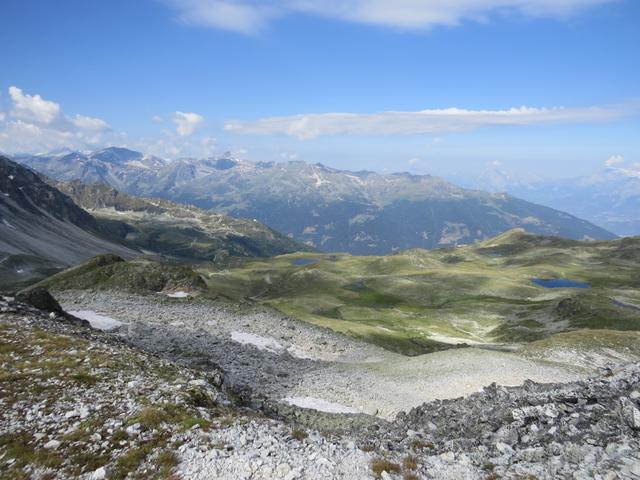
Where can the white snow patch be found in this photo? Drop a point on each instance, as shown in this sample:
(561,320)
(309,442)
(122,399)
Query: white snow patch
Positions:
(354,178)
(97,320)
(262,343)
(180,294)
(318,177)
(320,405)
(138,164)
(298,352)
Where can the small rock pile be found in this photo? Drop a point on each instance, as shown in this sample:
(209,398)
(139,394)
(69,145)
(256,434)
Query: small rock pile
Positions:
(582,430)
(260,450)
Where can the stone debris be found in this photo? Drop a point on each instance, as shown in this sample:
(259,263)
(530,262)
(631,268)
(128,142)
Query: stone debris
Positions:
(579,430)
(326,365)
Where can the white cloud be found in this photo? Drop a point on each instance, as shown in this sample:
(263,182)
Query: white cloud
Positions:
(427,122)
(157,119)
(240,16)
(250,16)
(34,124)
(614,160)
(32,107)
(618,164)
(187,123)
(89,123)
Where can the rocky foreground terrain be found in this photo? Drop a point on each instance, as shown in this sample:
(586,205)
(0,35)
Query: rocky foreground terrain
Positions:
(76,402)
(271,357)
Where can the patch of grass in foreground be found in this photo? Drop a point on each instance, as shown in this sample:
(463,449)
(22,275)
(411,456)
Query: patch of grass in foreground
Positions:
(20,447)
(131,460)
(379,465)
(153,417)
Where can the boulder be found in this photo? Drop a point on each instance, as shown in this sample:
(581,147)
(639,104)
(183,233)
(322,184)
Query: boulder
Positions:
(630,413)
(39,298)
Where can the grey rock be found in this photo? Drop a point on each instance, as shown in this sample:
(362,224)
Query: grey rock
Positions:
(52,444)
(630,413)
(39,298)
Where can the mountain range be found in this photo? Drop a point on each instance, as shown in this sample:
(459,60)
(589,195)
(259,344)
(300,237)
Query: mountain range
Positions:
(331,210)
(43,230)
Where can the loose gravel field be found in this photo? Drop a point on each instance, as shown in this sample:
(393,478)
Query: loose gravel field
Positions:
(277,357)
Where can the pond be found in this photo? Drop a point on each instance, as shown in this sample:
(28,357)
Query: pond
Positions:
(559,283)
(304,261)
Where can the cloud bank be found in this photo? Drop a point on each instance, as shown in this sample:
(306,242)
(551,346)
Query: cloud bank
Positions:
(617,163)
(427,122)
(251,16)
(33,123)
(32,108)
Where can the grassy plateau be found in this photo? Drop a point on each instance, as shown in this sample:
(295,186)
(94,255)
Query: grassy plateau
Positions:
(418,301)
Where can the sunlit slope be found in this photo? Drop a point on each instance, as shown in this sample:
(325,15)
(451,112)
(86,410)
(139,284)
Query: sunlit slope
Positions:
(177,230)
(418,301)
(141,275)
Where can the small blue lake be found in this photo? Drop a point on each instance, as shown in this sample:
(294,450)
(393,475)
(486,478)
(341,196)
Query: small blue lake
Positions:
(559,283)
(304,261)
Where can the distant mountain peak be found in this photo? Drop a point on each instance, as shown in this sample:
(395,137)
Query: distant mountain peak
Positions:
(224,163)
(117,155)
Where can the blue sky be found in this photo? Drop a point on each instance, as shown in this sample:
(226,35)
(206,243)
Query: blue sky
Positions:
(544,87)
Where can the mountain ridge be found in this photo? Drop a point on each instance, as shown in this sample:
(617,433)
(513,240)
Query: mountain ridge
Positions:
(326,208)
(175,229)
(42,230)
(46,226)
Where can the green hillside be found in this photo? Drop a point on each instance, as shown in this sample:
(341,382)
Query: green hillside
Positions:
(418,301)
